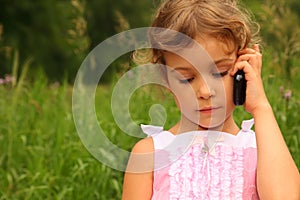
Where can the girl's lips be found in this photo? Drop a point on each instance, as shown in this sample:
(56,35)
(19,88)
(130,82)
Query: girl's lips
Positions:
(208,109)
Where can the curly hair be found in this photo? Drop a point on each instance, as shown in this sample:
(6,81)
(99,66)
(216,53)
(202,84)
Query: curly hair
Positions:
(225,20)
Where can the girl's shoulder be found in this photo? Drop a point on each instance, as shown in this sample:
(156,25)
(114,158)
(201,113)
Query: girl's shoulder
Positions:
(141,157)
(144,146)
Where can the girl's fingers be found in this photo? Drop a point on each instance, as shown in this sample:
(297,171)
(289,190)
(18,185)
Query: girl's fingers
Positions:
(247,57)
(253,59)
(245,66)
(252,56)
(248,62)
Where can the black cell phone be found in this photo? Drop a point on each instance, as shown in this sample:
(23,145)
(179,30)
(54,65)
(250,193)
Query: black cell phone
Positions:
(239,88)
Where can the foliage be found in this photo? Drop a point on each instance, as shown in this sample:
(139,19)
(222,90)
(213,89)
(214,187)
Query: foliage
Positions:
(281,32)
(106,18)
(53,34)
(41,154)
(58,34)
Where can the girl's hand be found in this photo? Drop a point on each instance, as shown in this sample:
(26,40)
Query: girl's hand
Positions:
(250,61)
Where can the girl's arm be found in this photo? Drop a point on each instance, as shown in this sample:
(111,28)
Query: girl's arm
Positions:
(277,174)
(138,178)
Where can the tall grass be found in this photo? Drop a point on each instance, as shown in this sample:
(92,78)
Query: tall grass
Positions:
(42,156)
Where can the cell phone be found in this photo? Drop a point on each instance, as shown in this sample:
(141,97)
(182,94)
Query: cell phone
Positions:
(239,88)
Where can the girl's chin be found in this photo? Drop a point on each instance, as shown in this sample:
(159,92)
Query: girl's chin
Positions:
(203,125)
(211,124)
(211,121)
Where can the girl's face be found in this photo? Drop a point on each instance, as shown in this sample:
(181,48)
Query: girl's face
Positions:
(203,91)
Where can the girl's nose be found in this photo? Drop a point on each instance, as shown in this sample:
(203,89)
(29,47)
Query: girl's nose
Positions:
(203,91)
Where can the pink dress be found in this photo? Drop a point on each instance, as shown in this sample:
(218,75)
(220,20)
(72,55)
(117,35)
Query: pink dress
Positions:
(204,164)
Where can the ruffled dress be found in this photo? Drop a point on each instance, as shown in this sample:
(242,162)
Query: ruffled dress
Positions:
(204,164)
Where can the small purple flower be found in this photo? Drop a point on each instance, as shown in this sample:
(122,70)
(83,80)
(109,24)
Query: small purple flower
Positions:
(9,78)
(288,95)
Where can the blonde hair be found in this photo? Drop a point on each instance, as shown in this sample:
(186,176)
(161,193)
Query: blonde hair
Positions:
(223,19)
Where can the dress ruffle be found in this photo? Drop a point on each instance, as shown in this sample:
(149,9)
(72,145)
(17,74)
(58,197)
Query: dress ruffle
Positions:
(222,169)
(201,175)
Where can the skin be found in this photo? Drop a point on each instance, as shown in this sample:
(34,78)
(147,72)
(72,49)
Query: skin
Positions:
(277,174)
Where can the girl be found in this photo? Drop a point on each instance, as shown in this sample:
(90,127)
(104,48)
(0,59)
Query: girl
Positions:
(206,155)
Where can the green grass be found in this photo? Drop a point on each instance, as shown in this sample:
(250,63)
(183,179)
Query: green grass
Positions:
(42,157)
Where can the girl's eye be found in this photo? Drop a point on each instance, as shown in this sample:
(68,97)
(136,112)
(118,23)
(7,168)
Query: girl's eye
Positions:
(219,75)
(186,81)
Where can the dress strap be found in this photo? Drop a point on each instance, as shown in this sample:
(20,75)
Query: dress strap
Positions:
(151,130)
(247,125)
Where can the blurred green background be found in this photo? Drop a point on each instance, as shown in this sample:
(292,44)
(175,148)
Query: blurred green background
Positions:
(42,45)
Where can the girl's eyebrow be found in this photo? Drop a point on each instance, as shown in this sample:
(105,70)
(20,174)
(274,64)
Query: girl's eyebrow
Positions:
(180,69)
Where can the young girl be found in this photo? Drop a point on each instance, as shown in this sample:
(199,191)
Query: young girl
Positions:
(206,155)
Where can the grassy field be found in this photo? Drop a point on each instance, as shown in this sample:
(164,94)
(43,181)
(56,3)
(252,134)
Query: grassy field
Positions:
(42,157)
